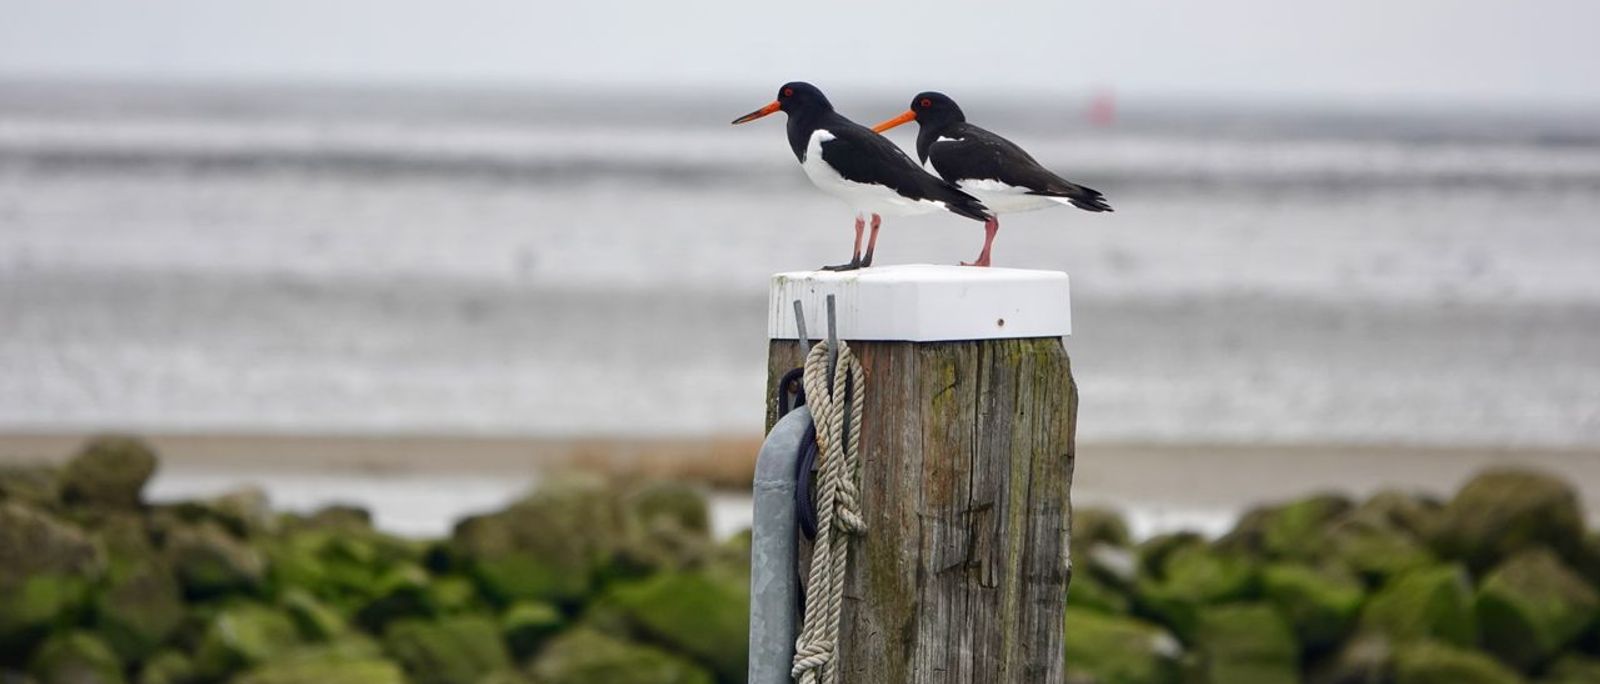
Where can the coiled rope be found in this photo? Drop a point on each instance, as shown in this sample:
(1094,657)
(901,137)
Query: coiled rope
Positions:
(838,506)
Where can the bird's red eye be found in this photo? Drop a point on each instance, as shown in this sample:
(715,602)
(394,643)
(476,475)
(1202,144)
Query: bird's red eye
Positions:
(788,92)
(926,103)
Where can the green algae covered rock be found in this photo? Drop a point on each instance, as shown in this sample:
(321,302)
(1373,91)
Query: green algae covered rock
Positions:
(703,617)
(584,656)
(30,484)
(1093,525)
(1501,512)
(1192,577)
(1433,603)
(1247,643)
(1532,606)
(244,636)
(46,570)
(1435,663)
(140,606)
(1295,531)
(527,625)
(168,667)
(1320,604)
(211,562)
(315,620)
(1374,548)
(1120,650)
(1414,514)
(454,650)
(1364,659)
(549,546)
(40,604)
(75,658)
(294,671)
(109,471)
(1574,669)
(1090,593)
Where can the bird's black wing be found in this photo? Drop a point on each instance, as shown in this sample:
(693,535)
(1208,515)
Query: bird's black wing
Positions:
(967,152)
(862,156)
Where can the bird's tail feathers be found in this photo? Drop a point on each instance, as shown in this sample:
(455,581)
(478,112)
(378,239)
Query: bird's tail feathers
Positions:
(962,204)
(1087,199)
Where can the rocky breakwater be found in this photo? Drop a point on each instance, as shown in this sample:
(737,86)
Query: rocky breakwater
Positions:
(582,581)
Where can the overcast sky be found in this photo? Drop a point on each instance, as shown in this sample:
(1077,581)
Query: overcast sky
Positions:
(1515,52)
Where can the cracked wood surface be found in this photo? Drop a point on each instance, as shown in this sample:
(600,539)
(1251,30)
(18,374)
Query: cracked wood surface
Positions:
(967,459)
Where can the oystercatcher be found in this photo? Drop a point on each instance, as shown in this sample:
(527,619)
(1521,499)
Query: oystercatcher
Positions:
(995,170)
(866,170)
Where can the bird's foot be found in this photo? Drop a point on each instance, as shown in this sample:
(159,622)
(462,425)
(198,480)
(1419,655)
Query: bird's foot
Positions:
(855,262)
(981,263)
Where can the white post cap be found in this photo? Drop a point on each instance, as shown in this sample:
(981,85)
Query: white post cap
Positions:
(923,303)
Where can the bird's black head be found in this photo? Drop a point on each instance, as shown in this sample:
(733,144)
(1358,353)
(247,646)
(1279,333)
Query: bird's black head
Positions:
(795,98)
(931,111)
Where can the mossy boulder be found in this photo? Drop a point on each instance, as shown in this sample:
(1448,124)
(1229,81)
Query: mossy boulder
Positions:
(139,608)
(1153,552)
(1414,514)
(1291,531)
(1094,525)
(1192,577)
(1120,650)
(584,656)
(528,625)
(1433,603)
(664,524)
(1574,669)
(1374,548)
(303,671)
(1532,606)
(454,650)
(1321,604)
(46,569)
(695,614)
(1247,643)
(400,592)
(1091,593)
(333,518)
(1501,512)
(210,562)
(1364,659)
(315,620)
(1435,663)
(244,636)
(109,471)
(38,605)
(33,484)
(549,546)
(168,667)
(75,658)
(245,512)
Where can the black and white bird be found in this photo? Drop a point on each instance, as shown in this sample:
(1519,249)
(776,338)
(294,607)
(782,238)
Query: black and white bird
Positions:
(995,170)
(866,170)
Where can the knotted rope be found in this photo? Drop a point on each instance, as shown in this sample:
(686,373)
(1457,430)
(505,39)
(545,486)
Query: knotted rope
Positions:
(838,507)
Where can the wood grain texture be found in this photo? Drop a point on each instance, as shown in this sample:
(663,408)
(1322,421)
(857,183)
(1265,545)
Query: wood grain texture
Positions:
(967,456)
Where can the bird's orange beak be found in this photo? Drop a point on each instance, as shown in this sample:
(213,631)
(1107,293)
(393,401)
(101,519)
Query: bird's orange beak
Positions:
(752,116)
(909,115)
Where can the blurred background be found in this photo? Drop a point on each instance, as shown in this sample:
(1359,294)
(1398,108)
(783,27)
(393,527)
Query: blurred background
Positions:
(293,228)
(406,255)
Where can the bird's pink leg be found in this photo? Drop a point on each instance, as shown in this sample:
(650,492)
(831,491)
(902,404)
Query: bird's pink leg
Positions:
(990,227)
(855,260)
(872,242)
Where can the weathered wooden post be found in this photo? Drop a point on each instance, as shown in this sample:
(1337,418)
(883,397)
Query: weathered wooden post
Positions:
(967,456)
